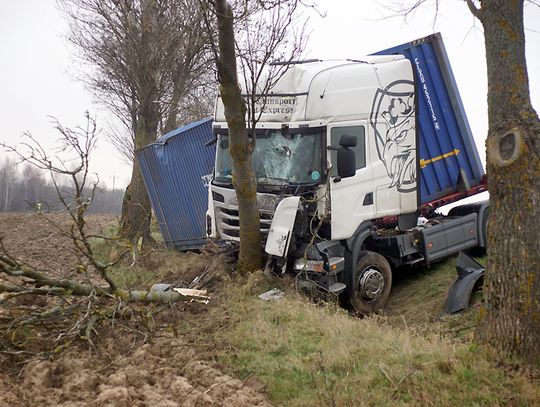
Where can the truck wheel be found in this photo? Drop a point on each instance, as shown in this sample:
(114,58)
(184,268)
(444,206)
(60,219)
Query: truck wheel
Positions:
(373,279)
(482,250)
(485,221)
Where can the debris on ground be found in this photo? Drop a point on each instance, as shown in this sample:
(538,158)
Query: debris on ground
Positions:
(272,295)
(198,295)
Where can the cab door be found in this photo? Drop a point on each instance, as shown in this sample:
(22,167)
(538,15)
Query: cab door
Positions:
(351,198)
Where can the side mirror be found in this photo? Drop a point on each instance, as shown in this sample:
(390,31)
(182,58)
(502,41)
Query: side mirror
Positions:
(346,159)
(346,162)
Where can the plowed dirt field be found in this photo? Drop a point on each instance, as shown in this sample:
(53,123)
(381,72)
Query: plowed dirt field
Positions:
(118,371)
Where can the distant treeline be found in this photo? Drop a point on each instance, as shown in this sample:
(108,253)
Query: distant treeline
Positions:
(24,188)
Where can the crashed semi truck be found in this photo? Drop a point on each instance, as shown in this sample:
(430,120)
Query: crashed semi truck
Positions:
(352,159)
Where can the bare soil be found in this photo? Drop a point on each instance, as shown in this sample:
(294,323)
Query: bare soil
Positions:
(40,240)
(121,369)
(161,373)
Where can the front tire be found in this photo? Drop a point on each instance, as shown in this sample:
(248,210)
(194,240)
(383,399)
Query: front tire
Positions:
(373,282)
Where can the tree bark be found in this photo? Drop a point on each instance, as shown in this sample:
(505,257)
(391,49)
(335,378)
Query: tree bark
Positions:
(136,207)
(511,322)
(244,181)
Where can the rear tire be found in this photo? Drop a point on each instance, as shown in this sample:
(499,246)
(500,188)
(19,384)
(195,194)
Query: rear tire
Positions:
(373,282)
(485,221)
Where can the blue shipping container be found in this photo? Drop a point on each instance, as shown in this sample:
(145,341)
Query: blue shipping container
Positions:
(448,157)
(175,169)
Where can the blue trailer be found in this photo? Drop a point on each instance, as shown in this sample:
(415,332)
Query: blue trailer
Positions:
(450,166)
(176,170)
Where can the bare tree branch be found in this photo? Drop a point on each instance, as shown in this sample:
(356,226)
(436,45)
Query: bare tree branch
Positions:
(477,12)
(150,68)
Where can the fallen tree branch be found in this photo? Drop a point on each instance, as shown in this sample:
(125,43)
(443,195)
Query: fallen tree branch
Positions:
(71,310)
(39,279)
(10,291)
(64,287)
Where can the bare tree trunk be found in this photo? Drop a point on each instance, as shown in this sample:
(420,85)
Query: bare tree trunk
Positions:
(512,279)
(136,207)
(171,121)
(136,210)
(241,147)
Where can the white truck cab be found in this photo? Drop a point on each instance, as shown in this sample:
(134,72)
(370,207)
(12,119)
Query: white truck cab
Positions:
(310,109)
(337,152)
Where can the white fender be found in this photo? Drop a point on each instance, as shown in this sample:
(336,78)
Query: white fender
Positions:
(279,236)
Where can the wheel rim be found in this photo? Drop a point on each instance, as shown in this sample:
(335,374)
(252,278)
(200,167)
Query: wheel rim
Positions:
(371,283)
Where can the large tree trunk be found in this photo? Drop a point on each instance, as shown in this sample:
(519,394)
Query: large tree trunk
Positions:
(512,280)
(241,147)
(136,208)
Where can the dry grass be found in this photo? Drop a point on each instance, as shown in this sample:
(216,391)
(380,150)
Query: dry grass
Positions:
(418,297)
(310,355)
(160,265)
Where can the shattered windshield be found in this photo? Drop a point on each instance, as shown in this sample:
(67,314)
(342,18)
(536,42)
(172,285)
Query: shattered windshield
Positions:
(281,156)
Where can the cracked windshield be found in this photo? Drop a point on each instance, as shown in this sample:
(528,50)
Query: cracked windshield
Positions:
(281,156)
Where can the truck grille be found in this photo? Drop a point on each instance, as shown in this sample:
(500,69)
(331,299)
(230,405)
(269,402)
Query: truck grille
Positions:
(228,222)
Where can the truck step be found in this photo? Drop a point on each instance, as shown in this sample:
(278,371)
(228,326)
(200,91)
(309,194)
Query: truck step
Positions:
(336,288)
(414,261)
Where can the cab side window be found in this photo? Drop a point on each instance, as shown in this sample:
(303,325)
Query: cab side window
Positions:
(360,150)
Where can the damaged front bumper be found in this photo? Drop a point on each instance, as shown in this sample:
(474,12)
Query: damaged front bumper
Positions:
(320,274)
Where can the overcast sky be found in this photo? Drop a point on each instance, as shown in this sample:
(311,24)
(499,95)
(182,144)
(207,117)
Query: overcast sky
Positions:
(37,75)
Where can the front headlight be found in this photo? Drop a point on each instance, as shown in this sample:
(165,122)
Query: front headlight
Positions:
(309,265)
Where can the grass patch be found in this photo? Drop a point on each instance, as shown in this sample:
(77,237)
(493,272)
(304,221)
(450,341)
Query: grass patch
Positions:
(164,266)
(159,265)
(318,355)
(315,355)
(418,297)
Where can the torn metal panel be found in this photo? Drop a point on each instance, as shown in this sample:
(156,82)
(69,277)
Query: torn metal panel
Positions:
(469,272)
(280,232)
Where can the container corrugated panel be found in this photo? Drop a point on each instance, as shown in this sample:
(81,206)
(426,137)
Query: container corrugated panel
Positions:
(445,144)
(174,169)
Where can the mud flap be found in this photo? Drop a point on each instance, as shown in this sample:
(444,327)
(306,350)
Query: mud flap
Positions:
(469,272)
